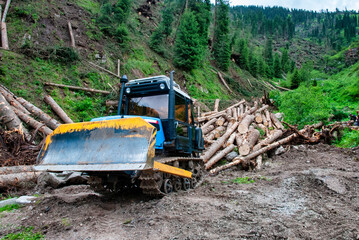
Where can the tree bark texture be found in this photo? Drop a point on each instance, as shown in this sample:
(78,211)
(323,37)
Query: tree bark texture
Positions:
(13,102)
(219,156)
(238,160)
(216,105)
(244,125)
(9,118)
(32,122)
(77,88)
(219,143)
(49,121)
(4,39)
(57,109)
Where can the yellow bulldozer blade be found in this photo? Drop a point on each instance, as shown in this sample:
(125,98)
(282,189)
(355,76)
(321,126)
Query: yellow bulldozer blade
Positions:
(171,170)
(110,145)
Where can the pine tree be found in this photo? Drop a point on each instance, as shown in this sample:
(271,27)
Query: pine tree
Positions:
(285,61)
(295,80)
(243,54)
(277,66)
(221,50)
(268,53)
(156,40)
(187,46)
(253,66)
(167,19)
(201,10)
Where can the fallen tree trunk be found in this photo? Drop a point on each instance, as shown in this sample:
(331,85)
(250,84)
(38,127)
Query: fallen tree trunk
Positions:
(16,169)
(10,99)
(10,118)
(224,82)
(212,121)
(231,139)
(244,125)
(216,105)
(32,122)
(219,143)
(23,179)
(57,109)
(49,121)
(207,129)
(110,103)
(77,88)
(73,45)
(6,9)
(4,39)
(214,134)
(276,134)
(219,156)
(248,144)
(276,122)
(268,118)
(238,160)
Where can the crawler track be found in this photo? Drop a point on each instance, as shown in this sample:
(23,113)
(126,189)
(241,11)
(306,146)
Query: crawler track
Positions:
(159,184)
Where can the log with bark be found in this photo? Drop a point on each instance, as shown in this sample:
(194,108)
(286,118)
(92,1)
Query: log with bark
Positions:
(249,142)
(219,156)
(77,88)
(57,109)
(16,180)
(244,125)
(11,99)
(239,160)
(49,121)
(216,105)
(73,45)
(32,122)
(9,118)
(219,143)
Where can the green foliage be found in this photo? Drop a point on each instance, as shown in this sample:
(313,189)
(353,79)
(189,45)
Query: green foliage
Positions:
(65,55)
(90,5)
(10,207)
(25,234)
(202,11)
(221,50)
(277,66)
(112,21)
(349,139)
(167,19)
(295,79)
(156,41)
(305,106)
(268,53)
(244,180)
(122,35)
(188,50)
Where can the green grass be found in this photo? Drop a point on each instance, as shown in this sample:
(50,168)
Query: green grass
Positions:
(10,207)
(25,234)
(349,139)
(90,5)
(239,180)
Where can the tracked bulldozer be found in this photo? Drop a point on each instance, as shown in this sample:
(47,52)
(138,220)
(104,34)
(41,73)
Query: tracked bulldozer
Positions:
(152,142)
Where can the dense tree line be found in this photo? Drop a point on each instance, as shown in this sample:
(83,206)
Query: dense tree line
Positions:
(186,23)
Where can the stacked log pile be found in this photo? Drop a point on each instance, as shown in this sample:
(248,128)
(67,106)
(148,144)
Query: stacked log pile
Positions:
(242,133)
(22,125)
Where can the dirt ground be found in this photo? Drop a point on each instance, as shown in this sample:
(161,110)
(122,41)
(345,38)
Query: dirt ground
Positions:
(308,192)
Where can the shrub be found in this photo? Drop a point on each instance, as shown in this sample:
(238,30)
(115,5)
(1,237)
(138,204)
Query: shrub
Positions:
(305,106)
(350,139)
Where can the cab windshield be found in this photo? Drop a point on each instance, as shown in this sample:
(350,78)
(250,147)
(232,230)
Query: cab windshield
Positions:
(150,106)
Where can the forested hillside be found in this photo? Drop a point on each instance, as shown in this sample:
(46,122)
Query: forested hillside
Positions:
(253,48)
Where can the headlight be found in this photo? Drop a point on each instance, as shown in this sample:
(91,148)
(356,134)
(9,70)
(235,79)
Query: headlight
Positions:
(128,90)
(162,86)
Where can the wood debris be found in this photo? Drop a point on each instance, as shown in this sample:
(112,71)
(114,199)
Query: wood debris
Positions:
(251,130)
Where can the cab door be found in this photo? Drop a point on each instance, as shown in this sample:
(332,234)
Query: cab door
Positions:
(182,124)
